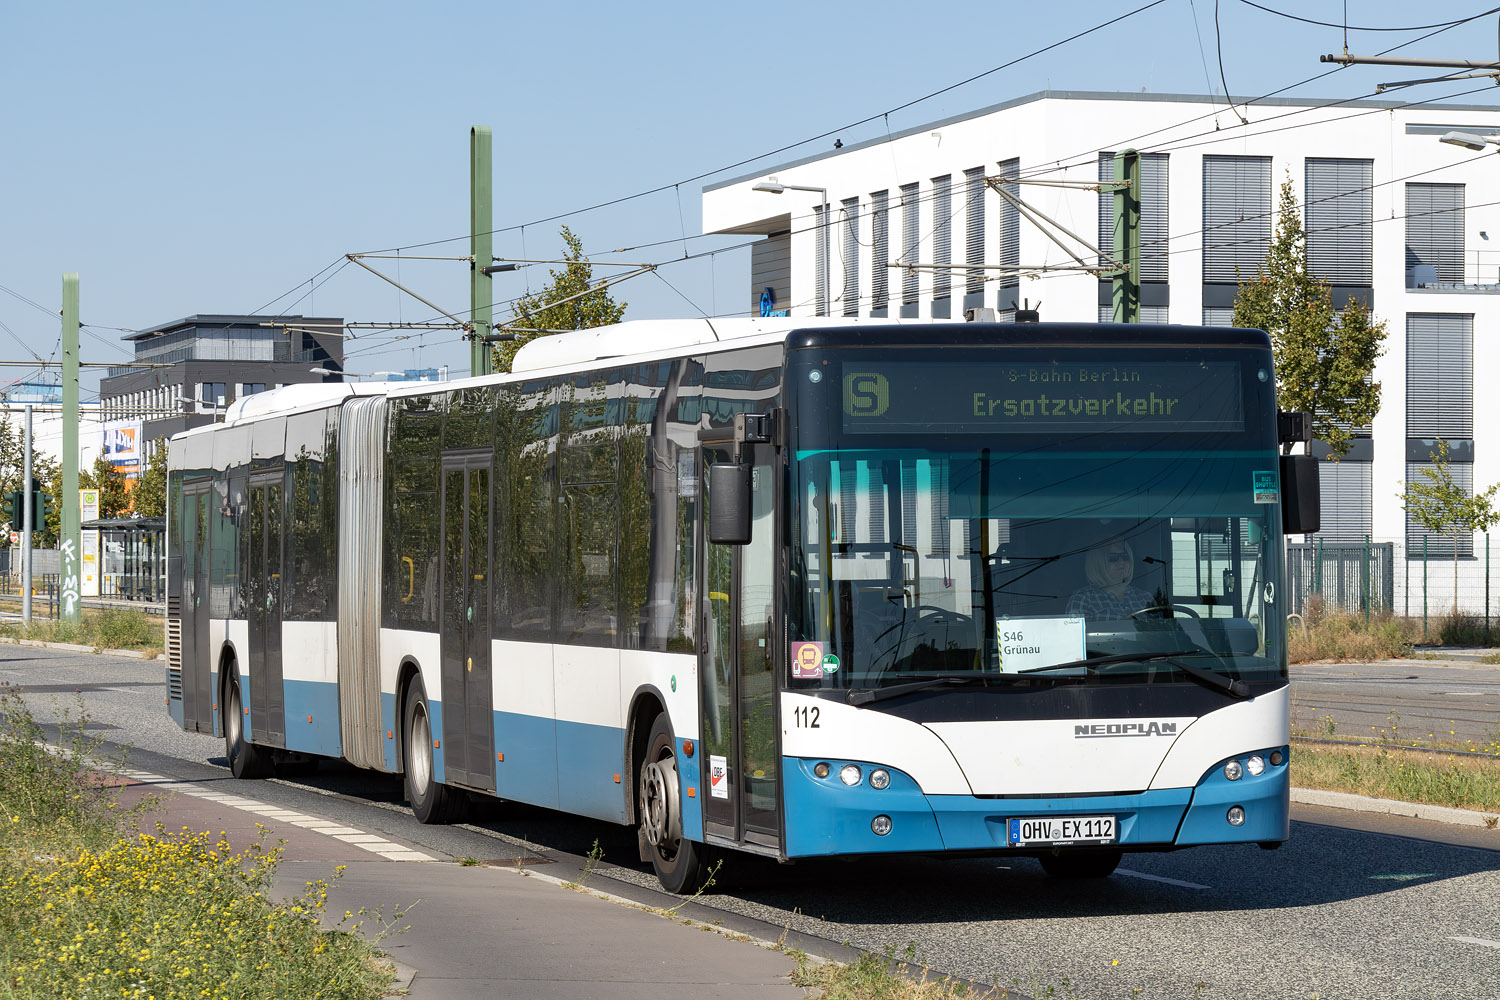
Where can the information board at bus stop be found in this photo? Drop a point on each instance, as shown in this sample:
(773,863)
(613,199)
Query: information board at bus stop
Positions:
(88,504)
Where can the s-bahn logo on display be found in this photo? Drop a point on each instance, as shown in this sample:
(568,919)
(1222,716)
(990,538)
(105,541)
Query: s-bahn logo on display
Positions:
(866,394)
(1106,730)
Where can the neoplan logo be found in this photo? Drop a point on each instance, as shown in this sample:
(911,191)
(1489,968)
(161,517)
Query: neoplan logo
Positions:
(1105,730)
(866,394)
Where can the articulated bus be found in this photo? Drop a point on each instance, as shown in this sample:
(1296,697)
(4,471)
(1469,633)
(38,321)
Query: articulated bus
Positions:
(794,588)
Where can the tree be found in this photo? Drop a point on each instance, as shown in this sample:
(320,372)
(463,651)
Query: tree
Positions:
(1442,505)
(149,497)
(536,311)
(114,494)
(1324,362)
(13,472)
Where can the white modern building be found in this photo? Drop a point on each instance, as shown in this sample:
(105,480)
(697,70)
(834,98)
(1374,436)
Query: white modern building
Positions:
(1393,217)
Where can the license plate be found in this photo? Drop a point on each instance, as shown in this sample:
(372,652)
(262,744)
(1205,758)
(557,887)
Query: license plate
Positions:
(1061,830)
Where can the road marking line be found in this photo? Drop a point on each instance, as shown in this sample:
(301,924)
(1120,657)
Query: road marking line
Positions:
(1158,878)
(376,845)
(1482,941)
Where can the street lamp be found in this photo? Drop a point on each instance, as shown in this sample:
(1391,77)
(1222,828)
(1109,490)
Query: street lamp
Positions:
(1470,140)
(772,186)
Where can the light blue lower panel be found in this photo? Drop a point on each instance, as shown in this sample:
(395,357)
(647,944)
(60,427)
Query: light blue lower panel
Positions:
(529,771)
(588,758)
(1265,797)
(435,720)
(312,717)
(688,776)
(389,727)
(825,816)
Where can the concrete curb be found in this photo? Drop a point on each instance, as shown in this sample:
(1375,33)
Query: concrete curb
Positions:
(404,975)
(76,648)
(1392,807)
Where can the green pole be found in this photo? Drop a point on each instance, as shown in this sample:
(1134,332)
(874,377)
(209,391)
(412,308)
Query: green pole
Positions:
(1318,570)
(70,556)
(1424,588)
(481,247)
(1127,284)
(1364,581)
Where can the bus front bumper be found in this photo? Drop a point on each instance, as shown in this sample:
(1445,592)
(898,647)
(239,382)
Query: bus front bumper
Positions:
(826,817)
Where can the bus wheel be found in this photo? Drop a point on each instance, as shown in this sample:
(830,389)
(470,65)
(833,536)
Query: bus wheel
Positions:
(246,760)
(431,802)
(681,865)
(1081,864)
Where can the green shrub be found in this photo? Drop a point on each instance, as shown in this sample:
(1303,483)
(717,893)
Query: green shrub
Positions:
(1460,628)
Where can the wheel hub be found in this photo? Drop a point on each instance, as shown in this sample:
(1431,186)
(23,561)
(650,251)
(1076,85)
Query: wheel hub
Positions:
(661,819)
(420,751)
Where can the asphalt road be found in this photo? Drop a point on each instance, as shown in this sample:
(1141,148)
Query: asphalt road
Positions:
(1355,906)
(1453,699)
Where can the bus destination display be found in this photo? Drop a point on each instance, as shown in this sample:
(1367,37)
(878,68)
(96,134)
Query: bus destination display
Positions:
(1042,398)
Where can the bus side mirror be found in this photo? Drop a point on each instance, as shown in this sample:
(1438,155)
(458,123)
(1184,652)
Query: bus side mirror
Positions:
(729,504)
(1301,502)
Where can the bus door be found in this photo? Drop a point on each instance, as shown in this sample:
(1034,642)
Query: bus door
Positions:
(197,685)
(464,619)
(267,694)
(737,671)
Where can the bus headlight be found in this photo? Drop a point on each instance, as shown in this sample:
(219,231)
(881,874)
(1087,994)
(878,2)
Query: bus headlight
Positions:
(880,778)
(1233,771)
(1256,764)
(1236,816)
(821,770)
(881,825)
(850,774)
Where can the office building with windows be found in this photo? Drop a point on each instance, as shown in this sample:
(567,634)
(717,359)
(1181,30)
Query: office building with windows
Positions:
(187,371)
(915,227)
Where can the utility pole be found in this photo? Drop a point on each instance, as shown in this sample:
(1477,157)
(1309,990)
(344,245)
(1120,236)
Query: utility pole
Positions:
(28,515)
(481,247)
(1127,281)
(69,608)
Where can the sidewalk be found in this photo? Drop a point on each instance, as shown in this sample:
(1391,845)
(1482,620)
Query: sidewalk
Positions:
(480,932)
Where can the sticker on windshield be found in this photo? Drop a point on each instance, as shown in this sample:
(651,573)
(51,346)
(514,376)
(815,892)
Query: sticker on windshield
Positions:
(807,661)
(1025,643)
(830,664)
(1265,487)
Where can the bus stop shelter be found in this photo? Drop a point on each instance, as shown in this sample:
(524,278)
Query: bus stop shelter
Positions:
(132,557)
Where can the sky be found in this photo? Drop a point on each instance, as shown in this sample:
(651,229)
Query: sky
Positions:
(189,158)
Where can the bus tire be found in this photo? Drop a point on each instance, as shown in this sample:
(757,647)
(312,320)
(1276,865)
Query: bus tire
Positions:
(1081,864)
(431,801)
(681,865)
(246,760)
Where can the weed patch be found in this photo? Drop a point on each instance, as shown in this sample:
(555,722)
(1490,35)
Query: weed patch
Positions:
(93,911)
(1386,772)
(1341,636)
(106,628)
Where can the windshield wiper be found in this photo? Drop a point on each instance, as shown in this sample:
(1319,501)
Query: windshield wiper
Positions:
(1231,686)
(863,696)
(1097,661)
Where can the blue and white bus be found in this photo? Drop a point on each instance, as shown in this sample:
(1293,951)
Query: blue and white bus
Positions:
(790,588)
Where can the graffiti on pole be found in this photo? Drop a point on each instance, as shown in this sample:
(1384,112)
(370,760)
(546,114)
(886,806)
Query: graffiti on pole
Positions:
(69,579)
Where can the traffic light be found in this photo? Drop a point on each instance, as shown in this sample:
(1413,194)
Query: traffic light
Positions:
(15,509)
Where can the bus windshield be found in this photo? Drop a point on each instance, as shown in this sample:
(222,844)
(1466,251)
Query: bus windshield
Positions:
(1004,511)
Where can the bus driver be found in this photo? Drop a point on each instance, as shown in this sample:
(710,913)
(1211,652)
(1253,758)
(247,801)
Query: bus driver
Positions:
(1109,568)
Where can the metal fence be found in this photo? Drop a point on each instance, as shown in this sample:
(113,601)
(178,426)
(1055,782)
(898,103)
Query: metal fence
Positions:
(1387,575)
